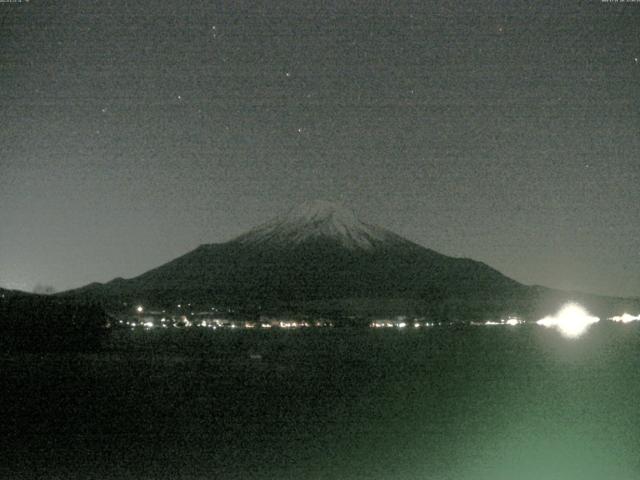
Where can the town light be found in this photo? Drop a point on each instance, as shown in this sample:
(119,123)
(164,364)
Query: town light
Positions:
(572,320)
(625,318)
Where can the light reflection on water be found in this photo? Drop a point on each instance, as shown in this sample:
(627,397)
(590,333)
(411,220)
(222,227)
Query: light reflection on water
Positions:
(441,403)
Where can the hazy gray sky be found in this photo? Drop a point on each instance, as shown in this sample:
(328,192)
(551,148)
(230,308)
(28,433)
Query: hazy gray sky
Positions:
(504,131)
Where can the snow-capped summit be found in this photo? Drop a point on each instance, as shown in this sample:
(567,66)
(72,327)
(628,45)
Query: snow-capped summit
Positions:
(320,210)
(319,220)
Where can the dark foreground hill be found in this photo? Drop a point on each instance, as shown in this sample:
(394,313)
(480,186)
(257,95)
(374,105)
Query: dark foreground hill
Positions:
(44,323)
(320,259)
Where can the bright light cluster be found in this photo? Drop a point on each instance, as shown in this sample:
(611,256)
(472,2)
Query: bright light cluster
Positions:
(399,324)
(293,324)
(572,320)
(511,321)
(625,318)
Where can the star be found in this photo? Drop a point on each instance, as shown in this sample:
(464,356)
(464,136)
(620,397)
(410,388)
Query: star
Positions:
(287,74)
(636,59)
(179,97)
(299,130)
(104,110)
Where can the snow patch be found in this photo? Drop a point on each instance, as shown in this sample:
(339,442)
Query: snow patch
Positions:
(319,219)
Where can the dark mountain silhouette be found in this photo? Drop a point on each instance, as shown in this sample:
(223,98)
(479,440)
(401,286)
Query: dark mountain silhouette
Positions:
(320,258)
(36,322)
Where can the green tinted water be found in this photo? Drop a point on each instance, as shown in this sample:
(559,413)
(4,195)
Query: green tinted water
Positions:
(446,403)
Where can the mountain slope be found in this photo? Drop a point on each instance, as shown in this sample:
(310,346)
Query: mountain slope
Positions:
(317,251)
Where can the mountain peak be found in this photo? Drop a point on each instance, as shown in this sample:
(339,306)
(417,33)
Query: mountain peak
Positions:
(315,220)
(321,210)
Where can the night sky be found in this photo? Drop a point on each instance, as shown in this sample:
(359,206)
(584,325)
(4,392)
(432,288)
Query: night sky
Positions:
(504,131)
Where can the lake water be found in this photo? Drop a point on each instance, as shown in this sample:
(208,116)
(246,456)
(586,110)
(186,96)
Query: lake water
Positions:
(441,403)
